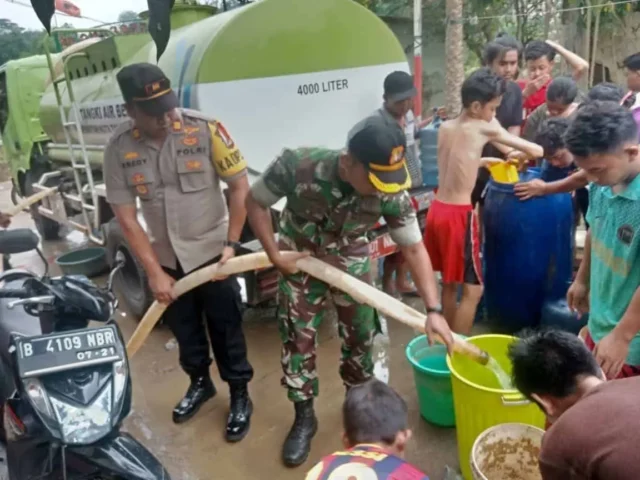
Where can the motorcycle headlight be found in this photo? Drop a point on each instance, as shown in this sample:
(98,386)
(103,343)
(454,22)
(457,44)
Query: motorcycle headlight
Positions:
(38,396)
(84,425)
(40,402)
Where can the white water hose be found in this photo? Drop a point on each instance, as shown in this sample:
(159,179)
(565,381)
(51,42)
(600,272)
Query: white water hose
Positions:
(359,290)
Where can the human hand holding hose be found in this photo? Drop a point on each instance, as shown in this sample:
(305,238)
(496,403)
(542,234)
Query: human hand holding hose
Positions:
(287,265)
(437,325)
(5,220)
(161,284)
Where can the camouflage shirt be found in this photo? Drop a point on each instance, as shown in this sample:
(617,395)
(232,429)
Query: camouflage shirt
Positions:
(325,213)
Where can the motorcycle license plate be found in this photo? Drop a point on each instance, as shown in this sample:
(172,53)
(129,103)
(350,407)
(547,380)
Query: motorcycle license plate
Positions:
(69,350)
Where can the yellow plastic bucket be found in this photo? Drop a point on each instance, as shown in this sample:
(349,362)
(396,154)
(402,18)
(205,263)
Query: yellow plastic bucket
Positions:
(479,402)
(504,172)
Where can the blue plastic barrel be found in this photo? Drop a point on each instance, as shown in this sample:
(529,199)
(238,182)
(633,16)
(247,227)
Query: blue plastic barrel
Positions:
(429,155)
(527,254)
(549,173)
(557,314)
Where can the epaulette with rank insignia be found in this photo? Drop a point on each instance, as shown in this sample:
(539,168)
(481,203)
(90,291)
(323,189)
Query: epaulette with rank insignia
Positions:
(198,115)
(125,127)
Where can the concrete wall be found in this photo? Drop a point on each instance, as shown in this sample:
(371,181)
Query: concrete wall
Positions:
(433,61)
(614,44)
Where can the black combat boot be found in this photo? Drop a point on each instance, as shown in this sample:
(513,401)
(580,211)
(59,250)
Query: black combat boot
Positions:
(239,414)
(298,443)
(200,390)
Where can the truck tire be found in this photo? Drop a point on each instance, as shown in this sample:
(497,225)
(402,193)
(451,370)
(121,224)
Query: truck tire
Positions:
(131,281)
(47,228)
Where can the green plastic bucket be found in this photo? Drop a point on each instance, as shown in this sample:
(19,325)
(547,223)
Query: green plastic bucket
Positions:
(89,261)
(433,381)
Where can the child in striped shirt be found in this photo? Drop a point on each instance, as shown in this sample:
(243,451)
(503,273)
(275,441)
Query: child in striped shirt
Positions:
(375,437)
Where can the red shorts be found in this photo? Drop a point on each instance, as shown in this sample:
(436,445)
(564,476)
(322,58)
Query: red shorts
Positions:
(452,239)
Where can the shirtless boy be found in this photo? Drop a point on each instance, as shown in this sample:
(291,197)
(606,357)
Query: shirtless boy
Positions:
(451,235)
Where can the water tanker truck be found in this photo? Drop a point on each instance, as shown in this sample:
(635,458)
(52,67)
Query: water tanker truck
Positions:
(278,73)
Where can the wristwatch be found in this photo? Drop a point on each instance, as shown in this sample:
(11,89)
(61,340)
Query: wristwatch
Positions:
(437,309)
(235,245)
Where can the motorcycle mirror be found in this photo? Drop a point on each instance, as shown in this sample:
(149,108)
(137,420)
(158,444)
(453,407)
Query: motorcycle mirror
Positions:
(19,240)
(119,262)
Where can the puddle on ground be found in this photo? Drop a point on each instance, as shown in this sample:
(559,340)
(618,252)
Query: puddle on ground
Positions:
(76,239)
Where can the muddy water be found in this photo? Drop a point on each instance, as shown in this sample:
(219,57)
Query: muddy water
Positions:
(197,450)
(511,459)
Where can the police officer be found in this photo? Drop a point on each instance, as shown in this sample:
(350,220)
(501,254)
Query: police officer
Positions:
(173,161)
(333,200)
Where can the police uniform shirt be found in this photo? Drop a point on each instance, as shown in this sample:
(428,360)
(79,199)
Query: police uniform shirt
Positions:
(178,185)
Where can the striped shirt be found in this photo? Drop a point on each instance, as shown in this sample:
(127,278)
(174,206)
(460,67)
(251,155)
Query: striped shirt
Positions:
(364,462)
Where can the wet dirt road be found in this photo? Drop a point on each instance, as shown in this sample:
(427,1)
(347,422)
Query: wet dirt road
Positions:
(197,450)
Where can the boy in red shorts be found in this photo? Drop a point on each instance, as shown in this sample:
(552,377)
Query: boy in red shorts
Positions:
(451,237)
(375,438)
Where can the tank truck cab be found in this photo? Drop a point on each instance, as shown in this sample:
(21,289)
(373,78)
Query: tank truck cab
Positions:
(24,140)
(269,95)
(61,157)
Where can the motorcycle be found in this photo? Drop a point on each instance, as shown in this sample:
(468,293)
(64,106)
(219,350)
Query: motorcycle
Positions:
(65,387)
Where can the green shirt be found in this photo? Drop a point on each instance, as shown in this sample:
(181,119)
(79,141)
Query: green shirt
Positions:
(325,213)
(615,259)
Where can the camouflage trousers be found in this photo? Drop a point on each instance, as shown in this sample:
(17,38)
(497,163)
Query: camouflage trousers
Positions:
(301,306)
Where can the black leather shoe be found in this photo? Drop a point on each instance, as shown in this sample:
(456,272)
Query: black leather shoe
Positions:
(240,413)
(200,390)
(298,443)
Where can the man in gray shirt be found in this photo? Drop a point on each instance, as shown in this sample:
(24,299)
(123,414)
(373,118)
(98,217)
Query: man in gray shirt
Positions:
(399,92)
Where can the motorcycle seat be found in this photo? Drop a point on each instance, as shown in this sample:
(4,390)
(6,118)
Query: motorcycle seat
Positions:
(15,321)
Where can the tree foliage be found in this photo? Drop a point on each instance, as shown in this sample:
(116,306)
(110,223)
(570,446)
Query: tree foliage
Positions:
(128,16)
(17,42)
(483,19)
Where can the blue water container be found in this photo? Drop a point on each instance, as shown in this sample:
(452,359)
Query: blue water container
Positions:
(429,154)
(527,254)
(549,173)
(557,314)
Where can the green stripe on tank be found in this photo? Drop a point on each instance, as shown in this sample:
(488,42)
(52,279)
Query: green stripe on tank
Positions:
(286,37)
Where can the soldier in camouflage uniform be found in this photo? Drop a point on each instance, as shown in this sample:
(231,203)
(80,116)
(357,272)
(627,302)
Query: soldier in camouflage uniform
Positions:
(333,200)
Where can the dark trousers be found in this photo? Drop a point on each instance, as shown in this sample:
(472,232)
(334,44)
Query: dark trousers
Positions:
(220,304)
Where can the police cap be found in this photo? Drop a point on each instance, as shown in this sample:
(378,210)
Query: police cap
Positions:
(147,86)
